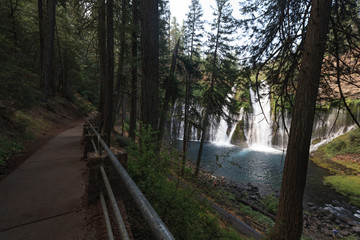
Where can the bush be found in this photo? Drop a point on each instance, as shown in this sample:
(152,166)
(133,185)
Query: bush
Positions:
(185,217)
(8,148)
(270,203)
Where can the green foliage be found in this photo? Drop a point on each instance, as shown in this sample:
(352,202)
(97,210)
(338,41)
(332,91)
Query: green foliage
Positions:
(348,143)
(185,217)
(270,203)
(33,124)
(84,105)
(8,148)
(351,237)
(347,186)
(255,215)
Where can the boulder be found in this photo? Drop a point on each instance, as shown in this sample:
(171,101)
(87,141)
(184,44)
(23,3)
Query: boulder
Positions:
(344,232)
(331,217)
(325,212)
(356,229)
(350,222)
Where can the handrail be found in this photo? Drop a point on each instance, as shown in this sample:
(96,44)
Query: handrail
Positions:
(157,226)
(106,216)
(114,206)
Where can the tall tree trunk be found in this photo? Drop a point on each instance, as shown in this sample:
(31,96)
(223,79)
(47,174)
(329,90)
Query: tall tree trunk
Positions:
(109,83)
(289,220)
(168,91)
(150,63)
(102,58)
(41,38)
(61,76)
(186,123)
(205,122)
(121,80)
(134,69)
(48,61)
(187,105)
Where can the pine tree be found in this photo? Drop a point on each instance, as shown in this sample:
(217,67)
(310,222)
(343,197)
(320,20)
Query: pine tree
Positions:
(219,58)
(150,63)
(288,43)
(193,34)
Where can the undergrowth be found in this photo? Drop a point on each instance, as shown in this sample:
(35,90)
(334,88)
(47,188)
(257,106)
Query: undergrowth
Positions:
(185,217)
(8,148)
(347,143)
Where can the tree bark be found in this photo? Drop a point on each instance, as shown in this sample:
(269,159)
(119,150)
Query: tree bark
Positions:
(289,220)
(121,79)
(168,91)
(134,69)
(102,58)
(205,122)
(41,38)
(48,60)
(150,63)
(109,83)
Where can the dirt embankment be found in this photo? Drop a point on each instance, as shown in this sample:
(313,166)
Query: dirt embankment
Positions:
(32,128)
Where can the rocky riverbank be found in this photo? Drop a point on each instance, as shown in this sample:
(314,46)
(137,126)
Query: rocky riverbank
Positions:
(319,222)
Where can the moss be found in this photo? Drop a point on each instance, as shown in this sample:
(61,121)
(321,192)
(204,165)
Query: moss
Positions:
(345,144)
(347,186)
(239,134)
(316,141)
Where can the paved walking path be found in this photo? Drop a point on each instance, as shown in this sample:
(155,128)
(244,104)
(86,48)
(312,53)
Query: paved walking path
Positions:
(43,198)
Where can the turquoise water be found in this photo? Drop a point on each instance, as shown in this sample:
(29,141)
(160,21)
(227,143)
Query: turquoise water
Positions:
(263,168)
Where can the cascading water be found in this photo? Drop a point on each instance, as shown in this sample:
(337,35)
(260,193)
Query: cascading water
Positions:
(258,133)
(259,128)
(225,130)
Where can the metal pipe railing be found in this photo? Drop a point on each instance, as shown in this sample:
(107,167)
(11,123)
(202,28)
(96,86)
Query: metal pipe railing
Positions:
(157,226)
(120,222)
(106,215)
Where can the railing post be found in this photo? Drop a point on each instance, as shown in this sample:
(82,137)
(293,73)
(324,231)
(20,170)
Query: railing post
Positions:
(99,147)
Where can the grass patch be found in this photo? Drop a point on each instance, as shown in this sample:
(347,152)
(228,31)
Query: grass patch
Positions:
(345,144)
(346,185)
(33,124)
(83,104)
(8,148)
(259,217)
(336,156)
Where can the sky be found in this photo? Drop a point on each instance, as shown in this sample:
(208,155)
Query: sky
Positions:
(179,8)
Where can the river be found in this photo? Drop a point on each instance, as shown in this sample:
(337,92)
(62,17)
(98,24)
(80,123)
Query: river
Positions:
(263,167)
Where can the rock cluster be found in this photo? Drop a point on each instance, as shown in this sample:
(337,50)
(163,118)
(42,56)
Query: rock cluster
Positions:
(320,222)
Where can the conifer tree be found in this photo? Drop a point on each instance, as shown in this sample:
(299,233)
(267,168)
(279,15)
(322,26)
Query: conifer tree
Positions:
(289,42)
(150,63)
(193,34)
(219,57)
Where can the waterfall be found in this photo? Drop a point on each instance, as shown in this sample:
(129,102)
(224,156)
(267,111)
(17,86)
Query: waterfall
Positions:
(224,130)
(330,126)
(222,137)
(258,133)
(259,128)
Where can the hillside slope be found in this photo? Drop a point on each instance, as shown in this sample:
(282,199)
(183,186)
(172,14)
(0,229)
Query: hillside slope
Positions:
(23,131)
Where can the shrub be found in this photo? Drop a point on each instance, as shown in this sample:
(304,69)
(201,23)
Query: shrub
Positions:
(185,217)
(270,203)
(8,148)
